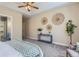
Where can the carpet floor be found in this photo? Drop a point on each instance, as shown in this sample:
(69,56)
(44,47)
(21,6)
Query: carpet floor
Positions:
(50,50)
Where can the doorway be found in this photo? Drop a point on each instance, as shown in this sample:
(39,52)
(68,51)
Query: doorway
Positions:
(5,29)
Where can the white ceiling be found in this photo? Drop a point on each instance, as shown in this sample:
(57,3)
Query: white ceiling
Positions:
(43,6)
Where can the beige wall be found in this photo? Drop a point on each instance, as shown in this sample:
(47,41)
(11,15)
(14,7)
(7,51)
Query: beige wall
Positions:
(16,22)
(25,26)
(59,35)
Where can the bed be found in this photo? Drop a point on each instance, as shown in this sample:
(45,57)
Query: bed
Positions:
(17,48)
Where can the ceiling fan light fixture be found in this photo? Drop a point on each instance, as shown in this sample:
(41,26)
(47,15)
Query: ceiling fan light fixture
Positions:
(25,7)
(28,6)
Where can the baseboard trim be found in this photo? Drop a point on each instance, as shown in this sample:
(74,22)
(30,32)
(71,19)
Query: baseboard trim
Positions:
(57,43)
(32,38)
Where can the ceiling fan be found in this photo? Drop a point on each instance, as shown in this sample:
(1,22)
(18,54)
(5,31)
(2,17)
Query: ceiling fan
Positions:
(28,6)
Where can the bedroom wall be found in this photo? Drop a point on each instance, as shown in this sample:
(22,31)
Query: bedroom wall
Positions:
(16,22)
(25,26)
(58,31)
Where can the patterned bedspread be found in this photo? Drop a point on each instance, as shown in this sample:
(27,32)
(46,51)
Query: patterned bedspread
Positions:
(26,49)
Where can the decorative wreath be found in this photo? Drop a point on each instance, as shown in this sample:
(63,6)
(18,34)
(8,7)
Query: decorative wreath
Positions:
(49,28)
(58,19)
(44,20)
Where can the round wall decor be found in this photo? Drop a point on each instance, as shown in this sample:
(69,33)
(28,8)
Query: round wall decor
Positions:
(44,20)
(49,28)
(58,19)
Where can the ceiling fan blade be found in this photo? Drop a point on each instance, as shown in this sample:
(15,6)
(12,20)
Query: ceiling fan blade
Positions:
(28,6)
(34,7)
(20,6)
(29,2)
(32,2)
(24,2)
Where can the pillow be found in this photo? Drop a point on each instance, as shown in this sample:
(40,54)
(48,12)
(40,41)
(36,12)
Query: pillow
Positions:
(77,46)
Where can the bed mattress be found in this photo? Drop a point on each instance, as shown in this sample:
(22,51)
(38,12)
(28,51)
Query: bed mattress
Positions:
(8,51)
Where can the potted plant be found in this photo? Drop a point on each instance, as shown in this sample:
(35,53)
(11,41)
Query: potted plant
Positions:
(70,29)
(40,30)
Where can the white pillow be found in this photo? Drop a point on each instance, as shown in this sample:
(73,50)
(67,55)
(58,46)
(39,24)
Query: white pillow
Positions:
(77,46)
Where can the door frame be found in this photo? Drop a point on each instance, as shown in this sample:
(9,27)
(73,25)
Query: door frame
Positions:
(8,16)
